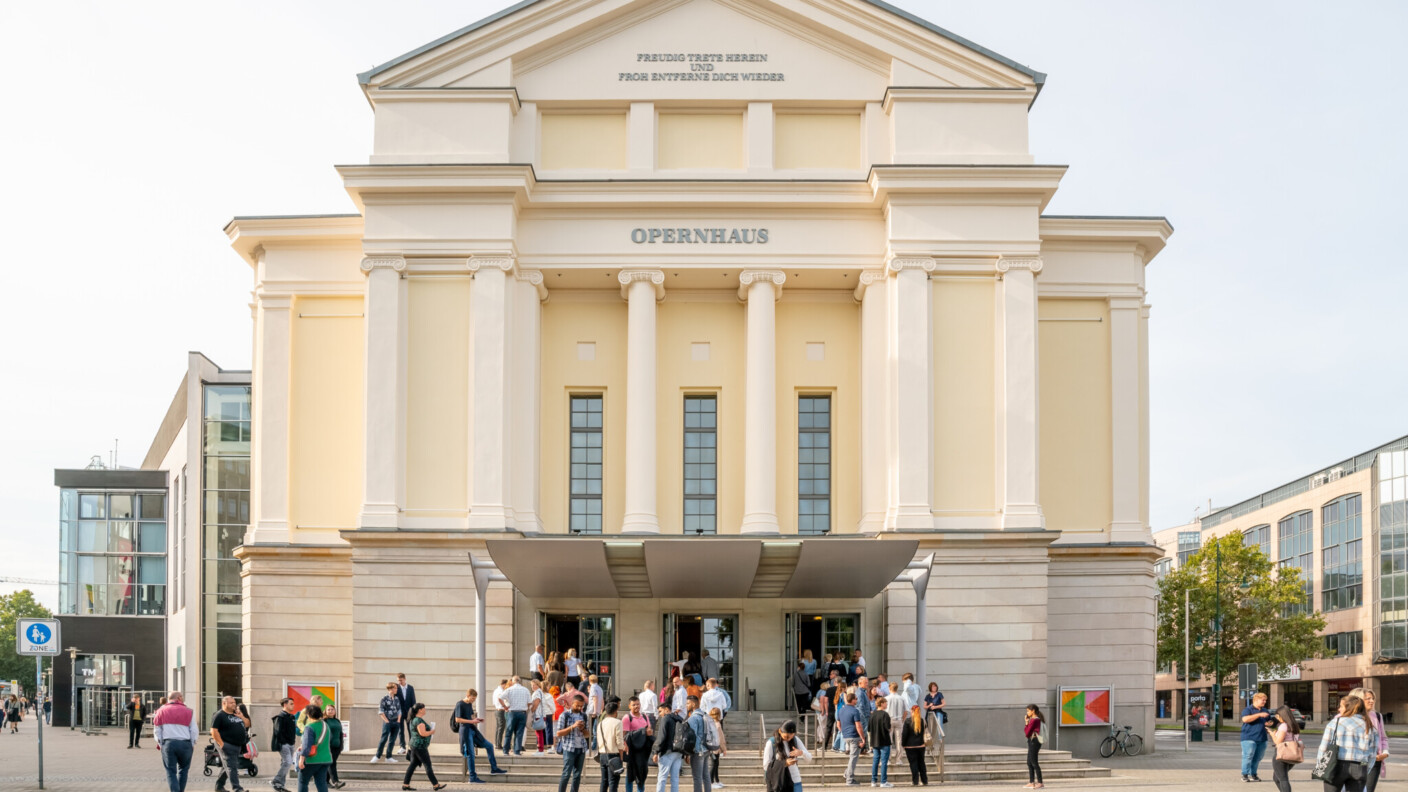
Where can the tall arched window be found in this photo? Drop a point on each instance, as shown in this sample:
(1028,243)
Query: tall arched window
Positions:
(1342,560)
(1294,538)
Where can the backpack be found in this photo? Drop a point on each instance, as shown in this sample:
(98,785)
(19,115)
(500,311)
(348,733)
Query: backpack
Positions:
(778,777)
(1041,734)
(685,738)
(710,744)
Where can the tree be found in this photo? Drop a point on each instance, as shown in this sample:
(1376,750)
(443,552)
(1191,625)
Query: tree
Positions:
(1265,617)
(13,607)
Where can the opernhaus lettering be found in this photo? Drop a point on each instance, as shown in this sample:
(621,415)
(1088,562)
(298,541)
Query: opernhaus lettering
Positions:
(699,236)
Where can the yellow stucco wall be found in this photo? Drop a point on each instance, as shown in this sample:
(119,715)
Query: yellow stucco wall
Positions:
(965,397)
(437,396)
(583,140)
(699,140)
(716,318)
(325,414)
(568,319)
(832,320)
(1076,473)
(817,140)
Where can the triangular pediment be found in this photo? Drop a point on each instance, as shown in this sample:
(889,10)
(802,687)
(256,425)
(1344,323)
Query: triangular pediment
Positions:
(565,50)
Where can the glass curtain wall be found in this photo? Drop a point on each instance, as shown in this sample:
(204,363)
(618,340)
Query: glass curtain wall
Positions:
(1295,538)
(1391,495)
(1260,538)
(112,552)
(224,518)
(1342,562)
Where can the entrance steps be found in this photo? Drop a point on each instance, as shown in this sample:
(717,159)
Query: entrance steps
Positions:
(741,768)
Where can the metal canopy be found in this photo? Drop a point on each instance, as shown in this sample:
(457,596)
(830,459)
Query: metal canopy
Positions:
(702,567)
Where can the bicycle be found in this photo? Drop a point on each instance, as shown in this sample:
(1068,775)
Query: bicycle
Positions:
(1119,739)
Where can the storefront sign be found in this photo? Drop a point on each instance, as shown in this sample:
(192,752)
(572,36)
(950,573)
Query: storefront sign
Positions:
(1287,674)
(700,67)
(699,236)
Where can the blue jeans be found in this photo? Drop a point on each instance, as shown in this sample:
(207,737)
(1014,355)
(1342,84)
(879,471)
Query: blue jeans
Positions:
(317,773)
(517,722)
(176,756)
(1252,751)
(880,765)
(571,768)
(668,766)
(470,738)
(388,738)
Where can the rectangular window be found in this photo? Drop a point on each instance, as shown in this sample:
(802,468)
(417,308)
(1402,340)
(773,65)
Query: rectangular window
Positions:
(224,516)
(585,497)
(1258,537)
(1342,560)
(1189,542)
(1294,538)
(1344,644)
(701,471)
(813,464)
(1390,500)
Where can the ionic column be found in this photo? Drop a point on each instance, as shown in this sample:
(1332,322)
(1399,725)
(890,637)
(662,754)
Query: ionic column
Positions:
(270,405)
(529,295)
(761,289)
(910,352)
(642,290)
(1021,506)
(874,472)
(1126,524)
(490,318)
(382,441)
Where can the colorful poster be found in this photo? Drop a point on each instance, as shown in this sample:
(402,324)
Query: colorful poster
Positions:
(1085,706)
(303,692)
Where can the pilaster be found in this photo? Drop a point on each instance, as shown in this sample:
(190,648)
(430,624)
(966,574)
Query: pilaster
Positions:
(529,294)
(761,289)
(871,294)
(491,321)
(1021,504)
(910,353)
(383,431)
(270,406)
(1126,418)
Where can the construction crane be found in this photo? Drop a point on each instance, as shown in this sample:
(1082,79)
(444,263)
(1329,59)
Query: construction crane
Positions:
(29,581)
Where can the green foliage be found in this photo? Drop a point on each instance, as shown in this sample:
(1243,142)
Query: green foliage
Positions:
(1254,596)
(13,607)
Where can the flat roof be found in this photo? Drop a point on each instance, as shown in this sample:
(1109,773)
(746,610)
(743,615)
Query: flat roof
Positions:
(70,478)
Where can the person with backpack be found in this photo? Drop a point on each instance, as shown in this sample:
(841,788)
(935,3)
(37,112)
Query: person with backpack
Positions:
(1289,749)
(1035,731)
(668,724)
(880,741)
(284,742)
(696,730)
(571,741)
(780,757)
(315,755)
(470,736)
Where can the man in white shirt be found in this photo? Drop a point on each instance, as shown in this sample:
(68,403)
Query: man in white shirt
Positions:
(710,667)
(515,698)
(501,737)
(535,663)
(714,696)
(911,690)
(596,704)
(897,704)
(680,699)
(649,702)
(882,683)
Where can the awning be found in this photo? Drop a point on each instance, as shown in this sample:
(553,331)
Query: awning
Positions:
(701,567)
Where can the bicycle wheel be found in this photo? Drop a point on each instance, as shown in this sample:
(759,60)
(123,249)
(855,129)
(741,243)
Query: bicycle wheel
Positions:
(1107,746)
(1133,745)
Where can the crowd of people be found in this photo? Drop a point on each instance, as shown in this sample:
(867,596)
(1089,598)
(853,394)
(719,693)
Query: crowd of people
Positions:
(1352,749)
(13,709)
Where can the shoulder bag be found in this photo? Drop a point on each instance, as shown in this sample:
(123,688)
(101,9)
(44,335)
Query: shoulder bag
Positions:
(1327,763)
(1292,750)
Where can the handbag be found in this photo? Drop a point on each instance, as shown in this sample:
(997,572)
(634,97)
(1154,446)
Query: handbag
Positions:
(1292,751)
(1327,763)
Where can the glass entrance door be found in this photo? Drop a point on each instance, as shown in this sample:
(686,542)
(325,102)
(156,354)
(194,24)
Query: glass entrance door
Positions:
(697,633)
(825,634)
(593,636)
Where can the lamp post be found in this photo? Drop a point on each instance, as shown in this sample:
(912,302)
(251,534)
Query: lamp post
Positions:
(1217,650)
(72,687)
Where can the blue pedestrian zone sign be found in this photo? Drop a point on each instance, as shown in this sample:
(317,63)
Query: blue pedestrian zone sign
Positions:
(37,637)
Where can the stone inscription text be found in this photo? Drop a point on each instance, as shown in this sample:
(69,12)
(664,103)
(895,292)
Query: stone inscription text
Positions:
(700,67)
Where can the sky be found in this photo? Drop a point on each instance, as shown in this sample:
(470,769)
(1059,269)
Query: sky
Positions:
(1270,134)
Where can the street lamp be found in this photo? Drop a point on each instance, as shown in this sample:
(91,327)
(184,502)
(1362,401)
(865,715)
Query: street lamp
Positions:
(72,687)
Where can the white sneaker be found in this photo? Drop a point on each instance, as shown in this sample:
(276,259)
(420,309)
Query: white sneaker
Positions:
(375,759)
(392,759)
(401,750)
(716,785)
(886,785)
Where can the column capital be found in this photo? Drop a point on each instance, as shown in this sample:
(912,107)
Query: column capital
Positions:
(747,278)
(1030,263)
(899,263)
(1126,303)
(868,277)
(397,263)
(535,279)
(499,260)
(654,277)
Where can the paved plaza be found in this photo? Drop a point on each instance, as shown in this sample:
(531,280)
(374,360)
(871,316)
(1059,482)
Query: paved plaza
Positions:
(78,763)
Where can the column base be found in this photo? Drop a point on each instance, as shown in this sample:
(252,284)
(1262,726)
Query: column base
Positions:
(910,518)
(1023,516)
(1130,532)
(487,517)
(760,524)
(640,524)
(379,515)
(267,532)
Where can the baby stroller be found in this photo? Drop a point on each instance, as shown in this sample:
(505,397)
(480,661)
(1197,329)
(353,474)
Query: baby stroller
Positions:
(213,759)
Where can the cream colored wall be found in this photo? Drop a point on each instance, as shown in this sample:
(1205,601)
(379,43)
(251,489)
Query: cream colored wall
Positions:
(816,140)
(832,319)
(437,396)
(325,416)
(965,397)
(568,318)
(683,319)
(457,128)
(1075,458)
(583,140)
(934,129)
(699,140)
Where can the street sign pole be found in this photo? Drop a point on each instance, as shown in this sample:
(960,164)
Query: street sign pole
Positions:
(39,721)
(38,638)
